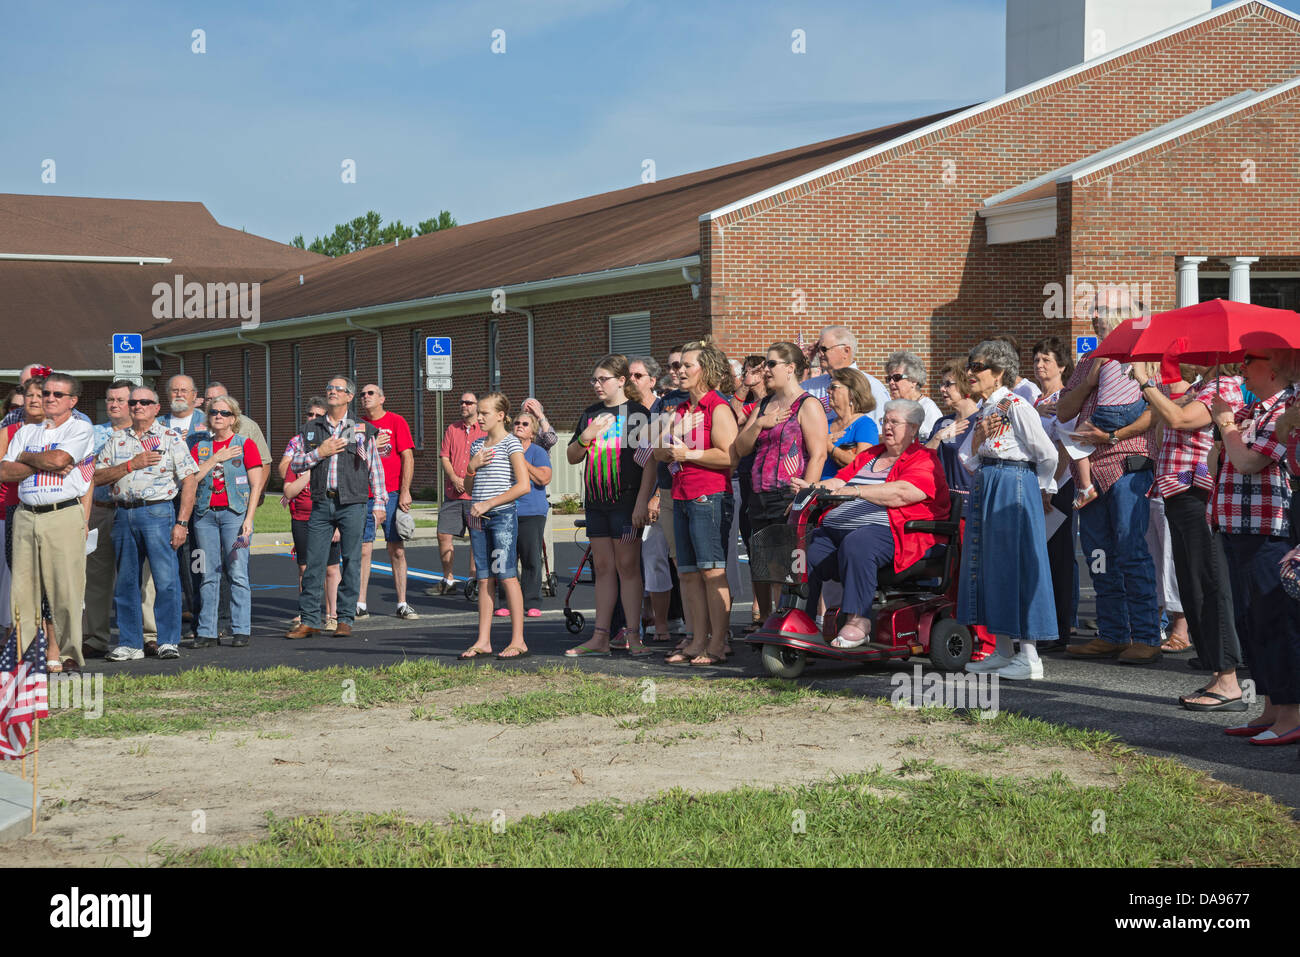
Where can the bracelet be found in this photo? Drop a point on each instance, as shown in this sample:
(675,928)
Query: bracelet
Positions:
(129,467)
(585,445)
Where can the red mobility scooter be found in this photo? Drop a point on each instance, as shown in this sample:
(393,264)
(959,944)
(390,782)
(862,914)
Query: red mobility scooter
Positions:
(915,609)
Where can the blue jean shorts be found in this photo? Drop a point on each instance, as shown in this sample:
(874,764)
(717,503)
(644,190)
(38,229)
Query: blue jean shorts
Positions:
(1112,418)
(495,542)
(697,526)
(368,535)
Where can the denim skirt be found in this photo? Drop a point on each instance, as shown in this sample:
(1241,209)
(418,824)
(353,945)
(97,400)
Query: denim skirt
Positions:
(1006,582)
(494,539)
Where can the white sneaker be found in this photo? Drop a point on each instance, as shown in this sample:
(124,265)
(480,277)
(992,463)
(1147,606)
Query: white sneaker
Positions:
(168,651)
(125,653)
(994,662)
(407,612)
(1020,669)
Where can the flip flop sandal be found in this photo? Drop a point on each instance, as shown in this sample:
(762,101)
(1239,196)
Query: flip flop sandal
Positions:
(515,657)
(1224,703)
(710,661)
(642,652)
(679,658)
(582,651)
(475,653)
(619,641)
(54,667)
(1182,698)
(1170,648)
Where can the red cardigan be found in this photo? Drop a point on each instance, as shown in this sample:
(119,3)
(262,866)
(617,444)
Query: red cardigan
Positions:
(921,467)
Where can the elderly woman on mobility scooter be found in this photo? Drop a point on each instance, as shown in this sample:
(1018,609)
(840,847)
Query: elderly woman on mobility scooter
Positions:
(1006,583)
(897,481)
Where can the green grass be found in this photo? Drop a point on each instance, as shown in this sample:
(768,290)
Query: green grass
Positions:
(1160,815)
(274,518)
(629,701)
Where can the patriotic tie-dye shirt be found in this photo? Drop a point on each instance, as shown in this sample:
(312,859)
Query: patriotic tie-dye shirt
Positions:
(612,475)
(75,437)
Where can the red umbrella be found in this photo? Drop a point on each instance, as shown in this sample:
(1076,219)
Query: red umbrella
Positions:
(1208,333)
(1119,343)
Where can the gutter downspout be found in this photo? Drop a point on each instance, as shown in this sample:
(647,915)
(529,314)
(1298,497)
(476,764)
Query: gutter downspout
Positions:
(532,384)
(379,348)
(174,355)
(267,346)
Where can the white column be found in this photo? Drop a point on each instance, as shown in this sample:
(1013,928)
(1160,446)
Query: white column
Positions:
(1239,277)
(1189,293)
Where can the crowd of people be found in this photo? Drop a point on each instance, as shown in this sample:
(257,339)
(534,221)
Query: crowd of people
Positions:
(1177,481)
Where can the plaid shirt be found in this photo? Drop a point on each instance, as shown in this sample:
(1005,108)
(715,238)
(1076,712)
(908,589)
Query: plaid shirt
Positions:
(1108,460)
(302,461)
(1258,504)
(1185,453)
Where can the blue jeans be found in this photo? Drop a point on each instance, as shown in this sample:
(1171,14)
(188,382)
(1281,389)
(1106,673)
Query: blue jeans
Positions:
(496,543)
(697,526)
(1112,418)
(1113,530)
(217,531)
(139,533)
(350,520)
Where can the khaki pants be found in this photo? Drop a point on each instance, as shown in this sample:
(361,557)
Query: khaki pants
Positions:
(50,553)
(101,577)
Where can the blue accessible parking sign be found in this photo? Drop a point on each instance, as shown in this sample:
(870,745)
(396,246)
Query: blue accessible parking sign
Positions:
(1084,344)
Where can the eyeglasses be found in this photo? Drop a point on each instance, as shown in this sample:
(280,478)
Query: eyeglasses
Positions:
(221,413)
(466,401)
(134,402)
(338,388)
(896,377)
(58,395)
(370,392)
(602,379)
(1244,362)
(948,384)
(977,367)
(520,422)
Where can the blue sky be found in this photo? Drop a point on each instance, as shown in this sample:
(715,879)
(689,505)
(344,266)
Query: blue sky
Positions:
(257,127)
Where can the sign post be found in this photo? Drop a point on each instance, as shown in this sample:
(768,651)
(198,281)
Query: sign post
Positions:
(437,378)
(128,356)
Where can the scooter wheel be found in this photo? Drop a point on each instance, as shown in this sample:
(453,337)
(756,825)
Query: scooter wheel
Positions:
(574,622)
(951,645)
(471,590)
(784,662)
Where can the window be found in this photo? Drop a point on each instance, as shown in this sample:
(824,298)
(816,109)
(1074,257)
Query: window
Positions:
(248,381)
(494,356)
(297,381)
(207,369)
(352,358)
(629,334)
(417,388)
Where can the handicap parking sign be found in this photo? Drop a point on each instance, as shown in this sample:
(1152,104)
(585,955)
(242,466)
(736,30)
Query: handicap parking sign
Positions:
(127,343)
(1084,344)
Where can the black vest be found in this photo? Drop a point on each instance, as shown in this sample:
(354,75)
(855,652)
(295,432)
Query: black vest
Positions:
(353,469)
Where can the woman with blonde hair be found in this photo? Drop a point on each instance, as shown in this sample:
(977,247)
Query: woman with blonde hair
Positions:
(615,484)
(229,487)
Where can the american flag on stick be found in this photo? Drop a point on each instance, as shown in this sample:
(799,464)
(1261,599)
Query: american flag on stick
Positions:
(87,468)
(24,693)
(790,462)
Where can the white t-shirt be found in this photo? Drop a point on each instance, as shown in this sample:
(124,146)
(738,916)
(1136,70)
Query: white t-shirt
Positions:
(1028,390)
(932,415)
(75,437)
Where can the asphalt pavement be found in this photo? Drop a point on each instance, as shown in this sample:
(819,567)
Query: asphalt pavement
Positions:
(1135,703)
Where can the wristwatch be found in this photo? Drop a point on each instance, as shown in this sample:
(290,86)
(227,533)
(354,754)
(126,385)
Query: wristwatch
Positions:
(1113,439)
(1151,384)
(183,523)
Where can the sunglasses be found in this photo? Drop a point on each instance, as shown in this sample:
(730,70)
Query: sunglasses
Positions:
(896,377)
(338,388)
(520,422)
(948,384)
(58,395)
(674,366)
(978,367)
(467,402)
(370,392)
(1244,362)
(135,402)
(822,350)
(222,413)
(773,363)
(640,375)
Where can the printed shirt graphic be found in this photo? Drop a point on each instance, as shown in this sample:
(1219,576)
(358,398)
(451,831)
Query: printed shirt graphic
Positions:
(396,434)
(157,483)
(612,475)
(252,460)
(75,437)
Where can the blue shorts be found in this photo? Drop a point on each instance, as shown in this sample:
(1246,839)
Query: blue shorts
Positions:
(1112,418)
(496,543)
(610,521)
(390,520)
(369,534)
(697,526)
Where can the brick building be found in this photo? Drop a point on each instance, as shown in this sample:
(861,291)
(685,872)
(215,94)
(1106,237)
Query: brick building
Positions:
(1166,164)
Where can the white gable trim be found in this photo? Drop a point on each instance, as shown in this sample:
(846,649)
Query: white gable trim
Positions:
(1021,222)
(990,105)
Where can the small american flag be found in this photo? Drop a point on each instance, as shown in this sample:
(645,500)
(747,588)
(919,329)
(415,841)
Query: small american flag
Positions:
(86,467)
(826,402)
(151,443)
(790,462)
(24,693)
(630,535)
(644,451)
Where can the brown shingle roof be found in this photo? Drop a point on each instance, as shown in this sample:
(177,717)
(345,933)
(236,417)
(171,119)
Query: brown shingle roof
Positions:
(647,223)
(186,233)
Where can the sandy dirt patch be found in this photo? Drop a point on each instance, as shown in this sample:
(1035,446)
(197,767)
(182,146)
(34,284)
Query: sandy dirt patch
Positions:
(110,801)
